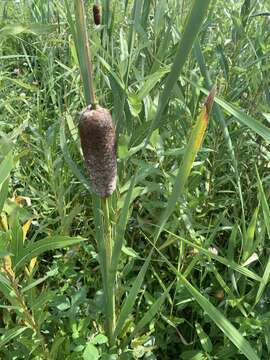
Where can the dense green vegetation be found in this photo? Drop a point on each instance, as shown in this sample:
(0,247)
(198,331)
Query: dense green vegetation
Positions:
(192,278)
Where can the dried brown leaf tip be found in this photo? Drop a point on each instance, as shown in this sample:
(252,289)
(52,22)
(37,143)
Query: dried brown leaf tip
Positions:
(97,135)
(96,14)
(210,100)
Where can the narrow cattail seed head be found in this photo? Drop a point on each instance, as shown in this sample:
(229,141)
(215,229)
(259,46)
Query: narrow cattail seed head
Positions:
(96,14)
(99,149)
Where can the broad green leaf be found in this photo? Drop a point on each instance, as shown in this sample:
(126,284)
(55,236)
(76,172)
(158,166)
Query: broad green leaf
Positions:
(245,119)
(72,165)
(16,244)
(120,230)
(265,206)
(134,26)
(12,30)
(130,252)
(40,280)
(104,260)
(11,334)
(127,307)
(9,307)
(204,338)
(227,289)
(242,117)
(46,244)
(7,290)
(16,29)
(193,355)
(71,25)
(3,193)
(5,284)
(21,84)
(124,55)
(215,315)
(267,116)
(72,128)
(4,253)
(150,314)
(267,337)
(5,167)
(40,302)
(150,82)
(111,72)
(161,53)
(229,263)
(41,29)
(249,238)
(192,148)
(264,282)
(159,16)
(191,30)
(90,352)
(99,339)
(55,348)
(135,105)
(219,319)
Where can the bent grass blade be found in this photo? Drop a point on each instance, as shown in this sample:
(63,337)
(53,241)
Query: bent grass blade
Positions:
(191,151)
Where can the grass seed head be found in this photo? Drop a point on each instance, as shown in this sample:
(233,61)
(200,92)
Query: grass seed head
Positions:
(99,149)
(96,14)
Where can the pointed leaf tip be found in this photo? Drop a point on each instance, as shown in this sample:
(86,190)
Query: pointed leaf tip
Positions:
(210,100)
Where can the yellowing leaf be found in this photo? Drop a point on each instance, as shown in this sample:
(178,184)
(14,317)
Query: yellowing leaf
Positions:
(8,266)
(4,222)
(21,199)
(28,270)
(26,227)
(32,264)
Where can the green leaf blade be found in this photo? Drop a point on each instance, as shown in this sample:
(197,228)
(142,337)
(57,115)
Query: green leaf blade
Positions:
(46,244)
(219,319)
(131,298)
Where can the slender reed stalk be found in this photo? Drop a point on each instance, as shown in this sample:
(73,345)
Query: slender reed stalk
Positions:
(110,284)
(98,143)
(86,66)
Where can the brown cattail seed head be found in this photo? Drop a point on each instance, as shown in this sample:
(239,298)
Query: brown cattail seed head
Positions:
(96,14)
(99,149)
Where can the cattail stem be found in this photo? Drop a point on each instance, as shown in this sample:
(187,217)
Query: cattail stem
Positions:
(110,291)
(82,32)
(107,229)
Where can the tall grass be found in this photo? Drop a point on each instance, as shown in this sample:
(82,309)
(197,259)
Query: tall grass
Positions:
(101,206)
(175,264)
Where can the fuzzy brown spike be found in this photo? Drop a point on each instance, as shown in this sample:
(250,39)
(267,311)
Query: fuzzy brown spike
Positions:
(99,149)
(96,14)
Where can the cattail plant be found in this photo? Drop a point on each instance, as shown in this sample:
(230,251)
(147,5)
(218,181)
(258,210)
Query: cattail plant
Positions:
(98,144)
